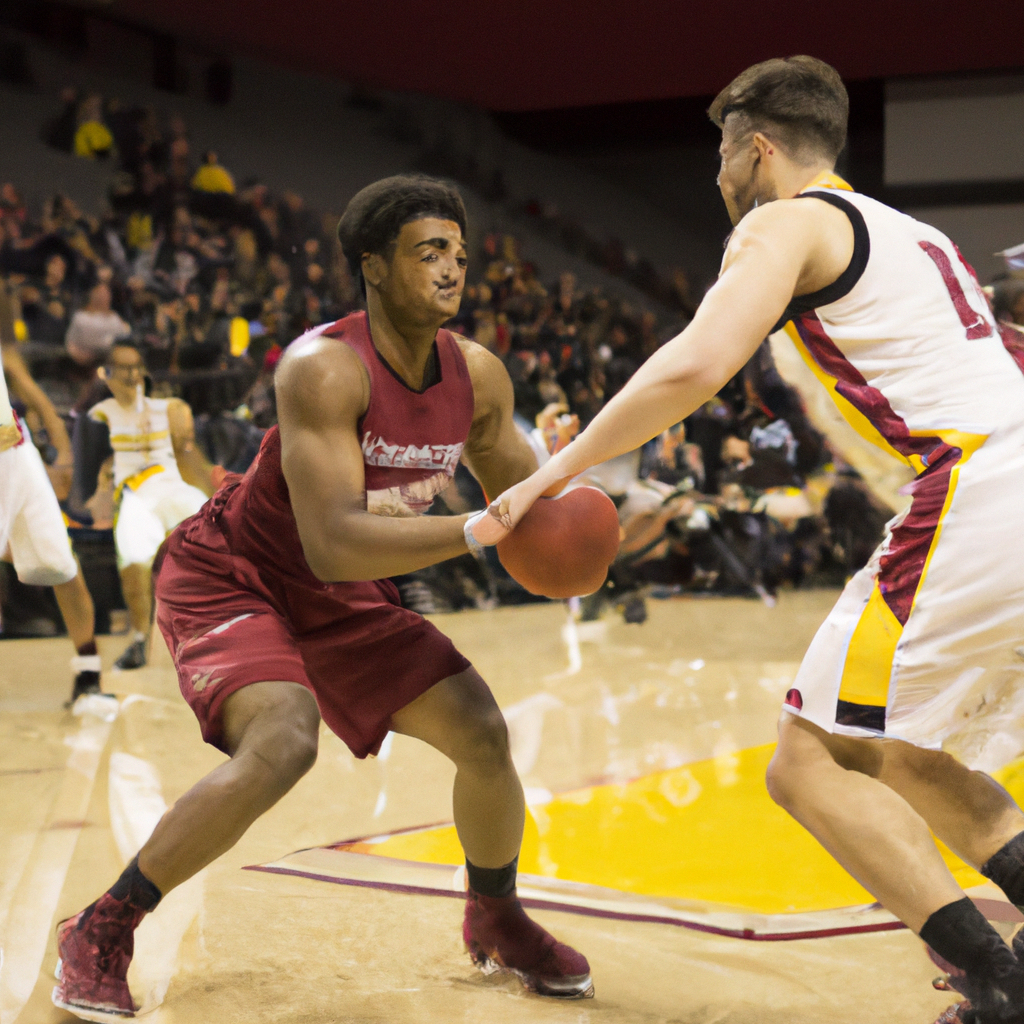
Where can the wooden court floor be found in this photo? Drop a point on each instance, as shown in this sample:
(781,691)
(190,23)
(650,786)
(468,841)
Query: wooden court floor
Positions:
(601,702)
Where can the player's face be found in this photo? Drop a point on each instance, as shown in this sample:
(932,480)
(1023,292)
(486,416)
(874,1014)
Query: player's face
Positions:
(124,374)
(741,177)
(427,273)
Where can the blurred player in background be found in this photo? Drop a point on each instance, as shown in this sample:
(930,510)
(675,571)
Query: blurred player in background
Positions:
(33,532)
(913,676)
(160,478)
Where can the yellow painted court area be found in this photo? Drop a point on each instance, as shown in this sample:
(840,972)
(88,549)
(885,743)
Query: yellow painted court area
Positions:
(705,832)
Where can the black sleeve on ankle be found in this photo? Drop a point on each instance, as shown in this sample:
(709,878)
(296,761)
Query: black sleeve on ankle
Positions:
(134,887)
(496,882)
(1006,869)
(959,933)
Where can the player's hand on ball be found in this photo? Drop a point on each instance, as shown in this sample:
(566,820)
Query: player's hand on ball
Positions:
(503,513)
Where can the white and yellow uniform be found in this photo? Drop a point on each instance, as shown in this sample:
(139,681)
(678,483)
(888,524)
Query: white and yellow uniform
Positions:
(151,496)
(32,526)
(926,643)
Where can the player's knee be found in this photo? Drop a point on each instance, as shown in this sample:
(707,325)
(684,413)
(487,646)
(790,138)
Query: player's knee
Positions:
(782,778)
(301,753)
(484,741)
(289,751)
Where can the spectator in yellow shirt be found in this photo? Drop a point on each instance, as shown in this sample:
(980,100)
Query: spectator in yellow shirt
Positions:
(93,138)
(211,177)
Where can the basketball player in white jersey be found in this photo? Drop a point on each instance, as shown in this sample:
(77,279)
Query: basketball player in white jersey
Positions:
(33,533)
(160,478)
(913,679)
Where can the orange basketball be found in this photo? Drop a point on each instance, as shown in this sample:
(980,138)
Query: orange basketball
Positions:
(563,546)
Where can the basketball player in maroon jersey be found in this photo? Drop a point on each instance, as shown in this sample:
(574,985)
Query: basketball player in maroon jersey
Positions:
(276,604)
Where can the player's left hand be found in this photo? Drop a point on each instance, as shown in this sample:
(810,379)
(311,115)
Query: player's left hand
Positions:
(505,512)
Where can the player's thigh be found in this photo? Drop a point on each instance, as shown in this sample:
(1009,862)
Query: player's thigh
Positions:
(177,501)
(138,532)
(39,543)
(278,721)
(457,716)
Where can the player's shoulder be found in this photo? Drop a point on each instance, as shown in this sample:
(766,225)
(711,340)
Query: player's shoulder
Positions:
(317,371)
(314,354)
(491,382)
(798,225)
(101,412)
(479,360)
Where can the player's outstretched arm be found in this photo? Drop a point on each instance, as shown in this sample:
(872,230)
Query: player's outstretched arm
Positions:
(765,264)
(496,452)
(193,465)
(322,390)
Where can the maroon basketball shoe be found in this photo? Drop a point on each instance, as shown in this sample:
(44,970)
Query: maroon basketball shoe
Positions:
(95,949)
(500,937)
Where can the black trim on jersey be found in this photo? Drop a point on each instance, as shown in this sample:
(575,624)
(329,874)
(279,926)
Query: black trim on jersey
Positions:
(844,283)
(860,716)
(431,372)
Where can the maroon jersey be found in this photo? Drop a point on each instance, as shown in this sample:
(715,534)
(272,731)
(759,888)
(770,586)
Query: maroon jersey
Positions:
(411,442)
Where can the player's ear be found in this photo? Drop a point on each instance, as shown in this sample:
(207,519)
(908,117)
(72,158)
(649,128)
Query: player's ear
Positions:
(764,146)
(375,268)
(101,372)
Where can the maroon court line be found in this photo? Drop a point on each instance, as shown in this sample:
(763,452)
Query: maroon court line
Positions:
(617,915)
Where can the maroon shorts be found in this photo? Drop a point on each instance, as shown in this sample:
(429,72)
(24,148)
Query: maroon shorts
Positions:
(353,645)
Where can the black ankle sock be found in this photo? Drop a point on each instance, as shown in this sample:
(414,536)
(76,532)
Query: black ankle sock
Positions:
(87,649)
(136,888)
(1006,868)
(495,882)
(960,934)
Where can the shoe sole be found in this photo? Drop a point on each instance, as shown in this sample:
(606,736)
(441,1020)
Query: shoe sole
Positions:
(576,987)
(97,1014)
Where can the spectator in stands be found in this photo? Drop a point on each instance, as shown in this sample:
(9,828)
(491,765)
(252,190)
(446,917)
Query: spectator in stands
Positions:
(60,132)
(47,307)
(211,177)
(95,328)
(93,138)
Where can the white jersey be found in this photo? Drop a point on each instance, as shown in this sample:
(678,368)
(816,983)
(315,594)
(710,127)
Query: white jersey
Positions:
(909,347)
(140,437)
(921,645)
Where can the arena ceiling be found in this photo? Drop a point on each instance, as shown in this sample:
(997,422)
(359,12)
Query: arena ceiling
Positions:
(520,55)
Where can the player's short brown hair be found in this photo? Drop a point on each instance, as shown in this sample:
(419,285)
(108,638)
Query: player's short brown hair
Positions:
(800,103)
(375,215)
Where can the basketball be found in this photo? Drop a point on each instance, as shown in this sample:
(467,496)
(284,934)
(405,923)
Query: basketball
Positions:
(563,546)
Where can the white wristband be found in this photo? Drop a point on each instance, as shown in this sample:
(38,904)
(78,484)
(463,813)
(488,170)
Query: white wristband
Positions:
(476,549)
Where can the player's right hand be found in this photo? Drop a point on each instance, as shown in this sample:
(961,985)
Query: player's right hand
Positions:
(9,436)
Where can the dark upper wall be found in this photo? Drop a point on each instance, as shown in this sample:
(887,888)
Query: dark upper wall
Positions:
(524,55)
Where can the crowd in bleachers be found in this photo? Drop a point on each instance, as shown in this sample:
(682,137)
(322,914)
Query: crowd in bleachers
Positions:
(211,279)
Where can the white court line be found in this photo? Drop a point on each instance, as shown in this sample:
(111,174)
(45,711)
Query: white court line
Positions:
(571,636)
(27,929)
(136,805)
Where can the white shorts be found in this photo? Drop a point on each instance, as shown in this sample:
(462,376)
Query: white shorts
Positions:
(149,512)
(926,643)
(31,522)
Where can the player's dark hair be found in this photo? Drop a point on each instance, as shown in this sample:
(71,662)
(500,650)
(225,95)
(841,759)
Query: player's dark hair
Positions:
(109,358)
(800,103)
(375,215)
